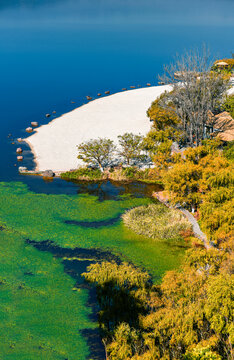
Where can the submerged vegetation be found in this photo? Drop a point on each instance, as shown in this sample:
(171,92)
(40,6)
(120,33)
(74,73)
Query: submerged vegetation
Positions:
(156,221)
(41,316)
(42,309)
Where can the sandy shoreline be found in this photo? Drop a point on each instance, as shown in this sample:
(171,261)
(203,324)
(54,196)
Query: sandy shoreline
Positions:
(55,145)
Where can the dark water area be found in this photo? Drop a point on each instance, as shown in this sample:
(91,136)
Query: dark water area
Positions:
(54,52)
(103,190)
(93,255)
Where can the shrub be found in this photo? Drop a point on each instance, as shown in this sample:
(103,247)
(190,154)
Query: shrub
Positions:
(83,173)
(228,150)
(130,172)
(228,105)
(156,221)
(203,353)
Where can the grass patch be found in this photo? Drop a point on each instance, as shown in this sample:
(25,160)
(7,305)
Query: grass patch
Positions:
(116,174)
(156,221)
(83,173)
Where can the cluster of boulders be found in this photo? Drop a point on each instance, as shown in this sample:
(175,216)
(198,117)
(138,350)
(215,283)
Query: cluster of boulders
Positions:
(33,125)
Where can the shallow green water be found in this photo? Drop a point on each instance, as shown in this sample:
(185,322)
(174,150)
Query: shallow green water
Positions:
(42,317)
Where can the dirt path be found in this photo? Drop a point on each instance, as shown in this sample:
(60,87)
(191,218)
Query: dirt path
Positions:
(196,228)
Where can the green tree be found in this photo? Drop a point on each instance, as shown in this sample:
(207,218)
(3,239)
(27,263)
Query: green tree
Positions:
(192,313)
(182,183)
(219,310)
(166,128)
(130,148)
(228,105)
(117,287)
(98,152)
(228,151)
(162,118)
(202,353)
(125,343)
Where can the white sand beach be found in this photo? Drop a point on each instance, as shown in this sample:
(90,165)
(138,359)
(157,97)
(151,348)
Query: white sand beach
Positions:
(55,145)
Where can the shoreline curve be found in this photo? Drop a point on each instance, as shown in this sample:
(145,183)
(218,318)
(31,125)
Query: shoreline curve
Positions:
(54,144)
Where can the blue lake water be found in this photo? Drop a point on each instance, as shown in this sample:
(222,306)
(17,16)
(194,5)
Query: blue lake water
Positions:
(53,52)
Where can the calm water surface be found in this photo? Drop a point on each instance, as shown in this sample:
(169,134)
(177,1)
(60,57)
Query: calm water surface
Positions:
(53,52)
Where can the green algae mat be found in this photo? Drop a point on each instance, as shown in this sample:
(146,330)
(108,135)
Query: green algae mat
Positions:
(45,310)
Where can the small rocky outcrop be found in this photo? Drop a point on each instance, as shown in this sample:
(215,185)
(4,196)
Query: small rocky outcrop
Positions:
(47,115)
(34,123)
(29,129)
(22,169)
(48,174)
(19,150)
(20,158)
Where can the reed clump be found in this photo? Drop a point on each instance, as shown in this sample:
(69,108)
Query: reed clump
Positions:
(156,221)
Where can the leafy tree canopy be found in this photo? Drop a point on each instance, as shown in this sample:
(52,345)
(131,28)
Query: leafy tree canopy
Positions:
(98,152)
(131,148)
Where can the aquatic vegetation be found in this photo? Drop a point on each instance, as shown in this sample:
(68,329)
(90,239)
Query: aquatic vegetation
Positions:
(43,310)
(156,221)
(40,316)
(41,217)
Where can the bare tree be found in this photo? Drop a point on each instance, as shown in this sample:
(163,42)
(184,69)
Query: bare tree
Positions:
(196,91)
